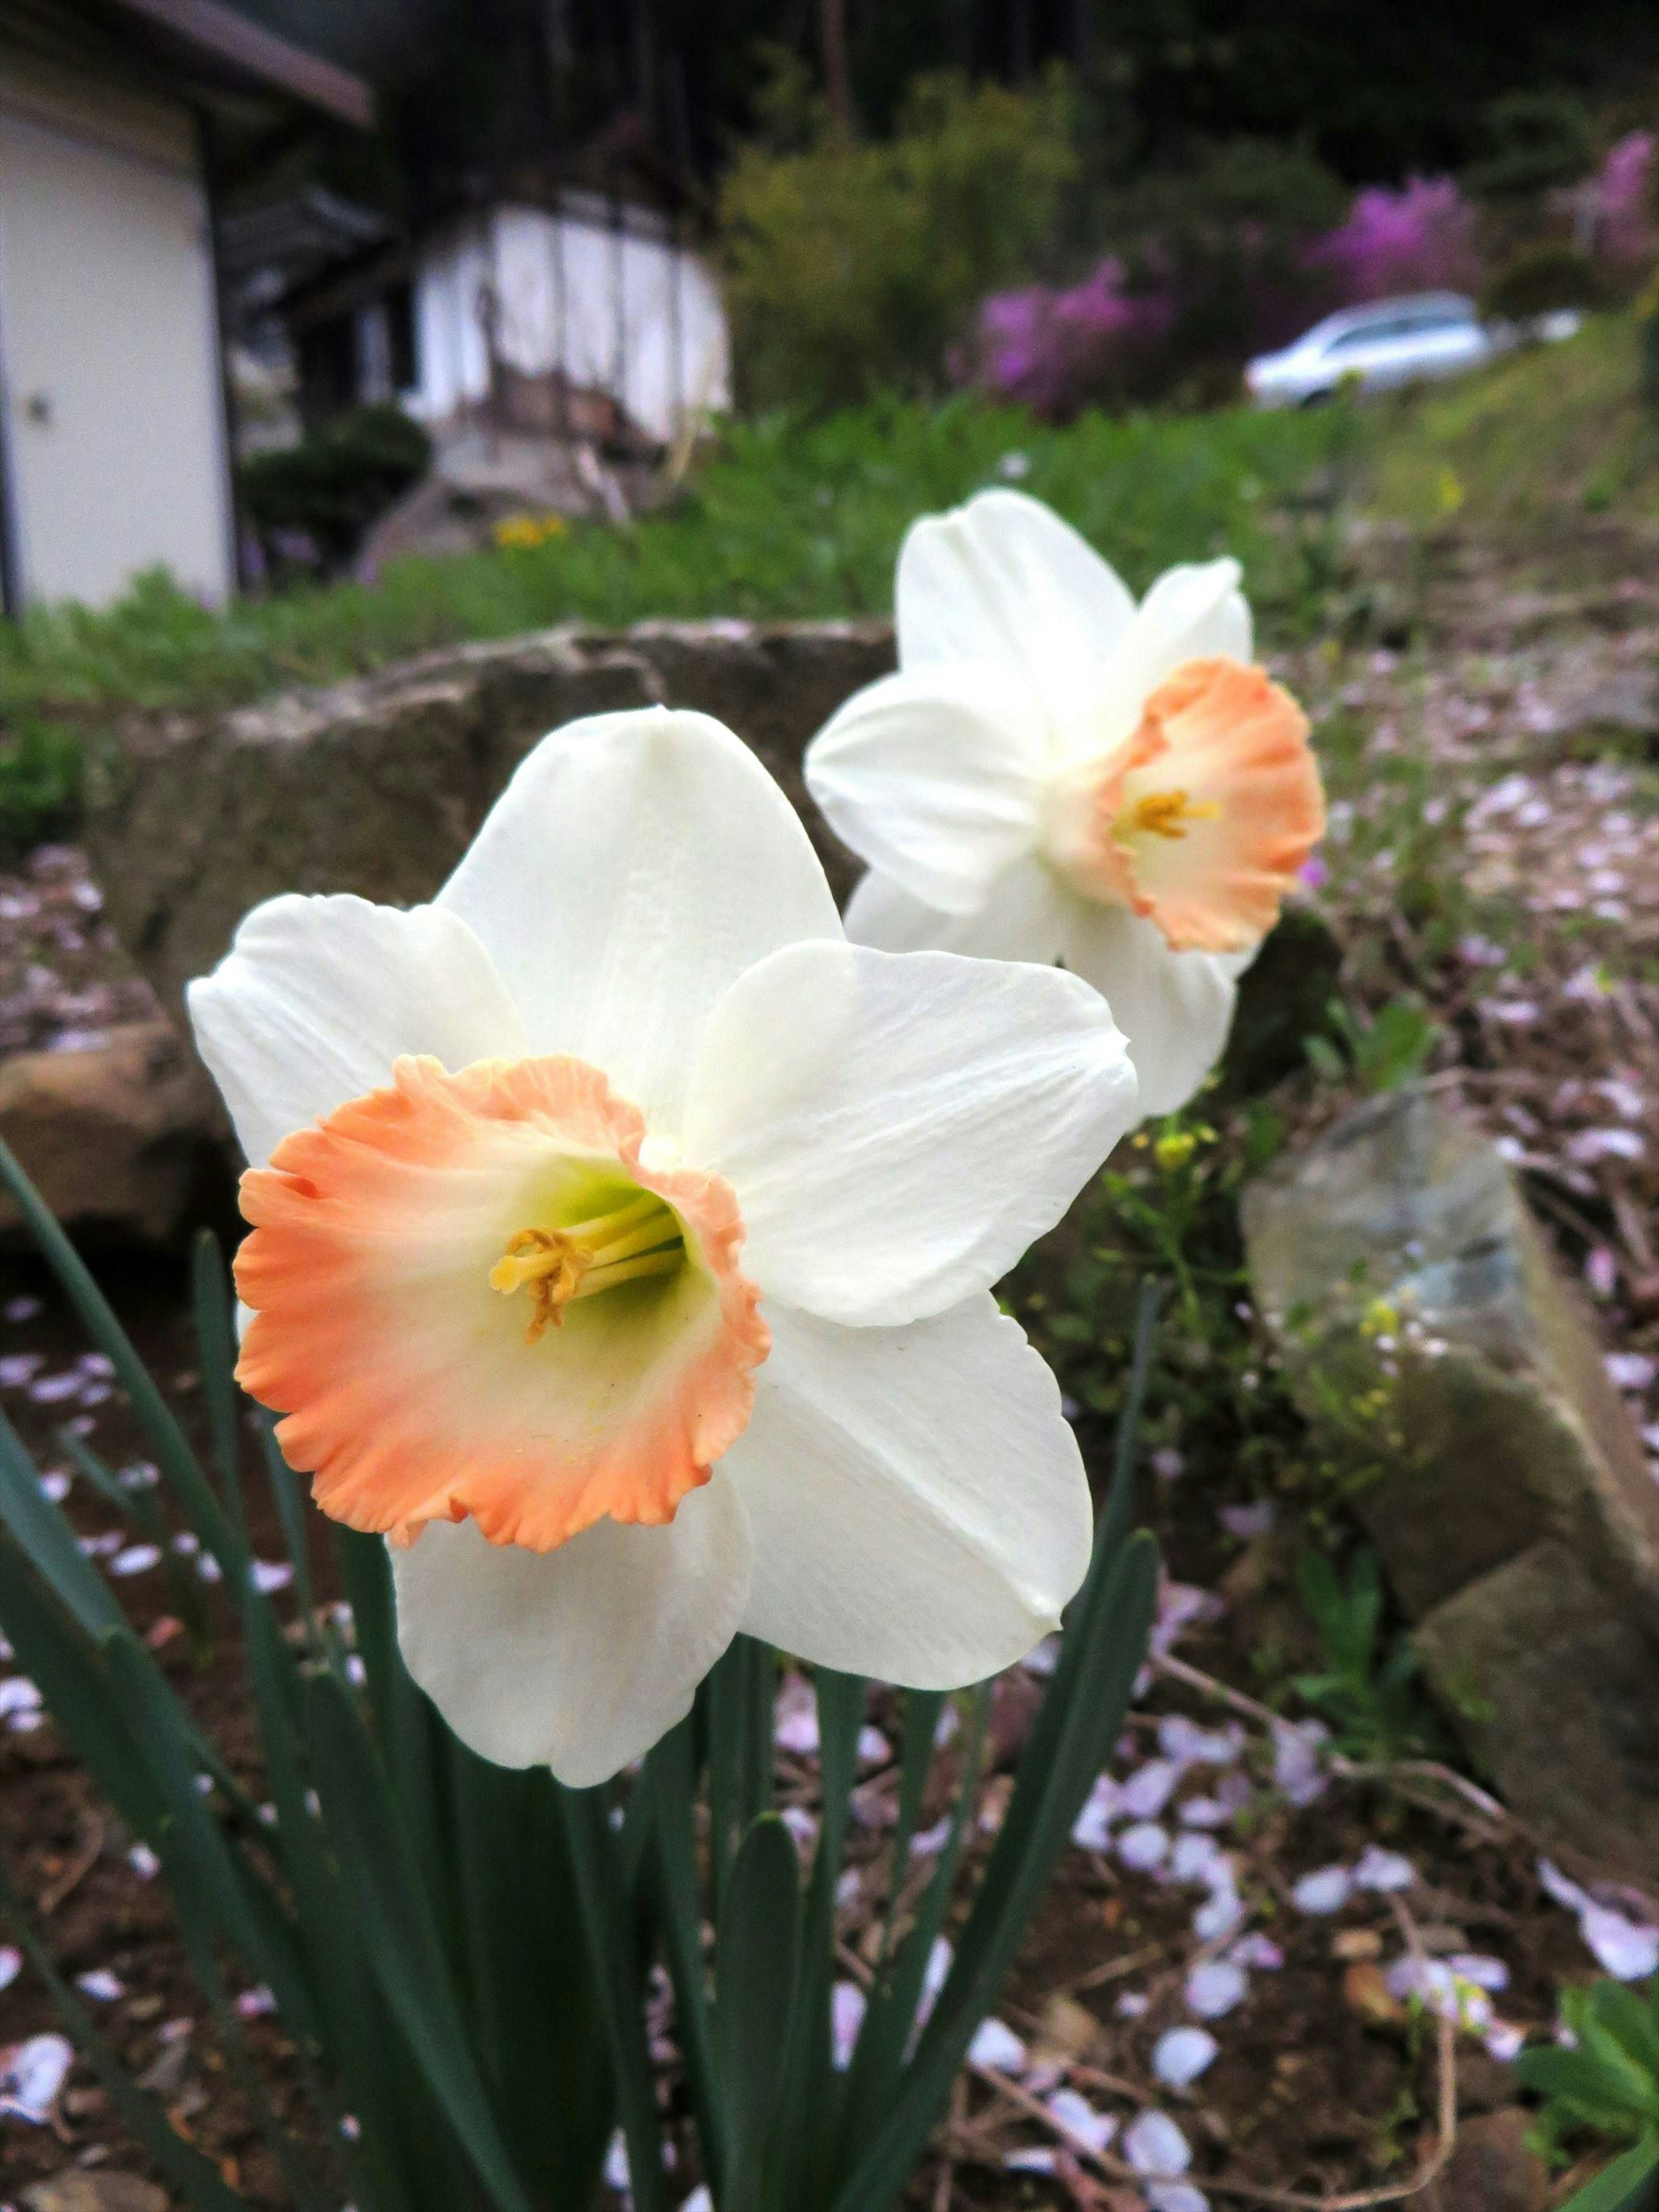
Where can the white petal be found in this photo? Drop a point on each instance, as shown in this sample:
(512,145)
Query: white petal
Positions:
(1190,612)
(920,1508)
(317,997)
(634,867)
(935,776)
(1023,918)
(898,1127)
(581,1658)
(1176,1008)
(1004,579)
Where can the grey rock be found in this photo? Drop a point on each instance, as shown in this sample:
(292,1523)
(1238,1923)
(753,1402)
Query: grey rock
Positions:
(121,1140)
(377,786)
(94,2189)
(1556,1694)
(1455,1384)
(1493,2168)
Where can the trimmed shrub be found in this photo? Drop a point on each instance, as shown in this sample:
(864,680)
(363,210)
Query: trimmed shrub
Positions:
(326,490)
(852,268)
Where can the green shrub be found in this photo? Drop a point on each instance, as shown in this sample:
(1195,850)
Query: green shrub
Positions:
(40,763)
(1534,141)
(852,268)
(336,481)
(1541,280)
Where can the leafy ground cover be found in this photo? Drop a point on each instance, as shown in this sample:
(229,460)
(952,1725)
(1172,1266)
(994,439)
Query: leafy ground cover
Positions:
(790,519)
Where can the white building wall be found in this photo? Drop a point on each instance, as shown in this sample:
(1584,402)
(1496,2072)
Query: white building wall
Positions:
(642,318)
(114,412)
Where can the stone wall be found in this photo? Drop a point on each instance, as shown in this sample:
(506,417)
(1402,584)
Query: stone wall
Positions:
(378,786)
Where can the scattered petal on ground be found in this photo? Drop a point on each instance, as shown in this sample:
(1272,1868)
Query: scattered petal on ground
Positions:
(136,1559)
(1628,1949)
(1381,1869)
(1473,1966)
(1215,1987)
(1092,1831)
(1076,2116)
(874,1748)
(995,2044)
(1257,1950)
(1299,1769)
(1176,2196)
(1180,2056)
(1144,1845)
(11,1964)
(1150,1788)
(847,2005)
(32,2076)
(1155,2146)
(1185,1743)
(1325,1890)
(1246,1521)
(100,1986)
(796,1726)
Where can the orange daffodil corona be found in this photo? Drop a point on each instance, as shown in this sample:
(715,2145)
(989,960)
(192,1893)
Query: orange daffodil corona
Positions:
(620,1246)
(1057,774)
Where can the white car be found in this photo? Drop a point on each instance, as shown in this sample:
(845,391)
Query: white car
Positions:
(1376,348)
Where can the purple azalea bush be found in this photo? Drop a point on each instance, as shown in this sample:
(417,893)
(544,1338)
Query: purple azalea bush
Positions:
(1050,349)
(1626,226)
(1419,238)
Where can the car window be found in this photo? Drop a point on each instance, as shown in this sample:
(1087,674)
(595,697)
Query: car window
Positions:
(1367,334)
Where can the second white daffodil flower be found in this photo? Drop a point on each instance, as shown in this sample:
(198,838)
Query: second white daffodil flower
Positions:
(621,1245)
(1057,774)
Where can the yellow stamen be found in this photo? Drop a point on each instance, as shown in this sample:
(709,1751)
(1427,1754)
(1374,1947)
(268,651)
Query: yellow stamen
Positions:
(1165,814)
(557,1266)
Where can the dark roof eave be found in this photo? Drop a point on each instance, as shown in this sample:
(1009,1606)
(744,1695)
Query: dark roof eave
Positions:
(246,52)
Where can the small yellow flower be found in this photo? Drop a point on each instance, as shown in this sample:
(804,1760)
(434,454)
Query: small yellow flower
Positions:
(1381,1319)
(524,532)
(1449,491)
(1174,1151)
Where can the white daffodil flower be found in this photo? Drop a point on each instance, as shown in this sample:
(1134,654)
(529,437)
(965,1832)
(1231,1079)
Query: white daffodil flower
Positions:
(1057,774)
(622,1243)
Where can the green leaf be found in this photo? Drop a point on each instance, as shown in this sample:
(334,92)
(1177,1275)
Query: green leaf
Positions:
(1108,1644)
(1635,2025)
(737,1702)
(45,1535)
(401,1934)
(532,2008)
(1625,2184)
(1616,2100)
(168,1440)
(757,1966)
(67,1666)
(215,1344)
(619,1980)
(671,1776)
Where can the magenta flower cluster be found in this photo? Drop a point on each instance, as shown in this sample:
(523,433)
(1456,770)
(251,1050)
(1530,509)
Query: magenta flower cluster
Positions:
(1043,347)
(1626,224)
(1419,238)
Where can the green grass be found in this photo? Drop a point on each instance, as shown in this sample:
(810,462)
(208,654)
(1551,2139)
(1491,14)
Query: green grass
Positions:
(1548,433)
(790,520)
(797,519)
